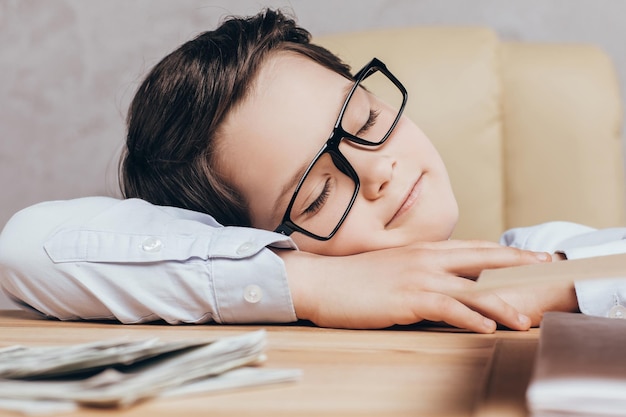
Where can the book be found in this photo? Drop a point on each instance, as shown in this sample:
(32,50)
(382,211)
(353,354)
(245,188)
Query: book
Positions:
(580,367)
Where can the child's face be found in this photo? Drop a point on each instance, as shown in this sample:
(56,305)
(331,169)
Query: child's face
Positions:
(405,193)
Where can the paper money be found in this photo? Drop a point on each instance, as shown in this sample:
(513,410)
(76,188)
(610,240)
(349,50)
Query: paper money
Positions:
(120,373)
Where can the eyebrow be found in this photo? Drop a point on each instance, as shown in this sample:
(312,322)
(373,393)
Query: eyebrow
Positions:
(293,181)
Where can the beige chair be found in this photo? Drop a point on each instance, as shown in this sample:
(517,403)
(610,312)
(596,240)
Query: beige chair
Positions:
(529,132)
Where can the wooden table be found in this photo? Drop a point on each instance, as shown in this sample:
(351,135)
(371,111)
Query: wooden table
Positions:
(409,371)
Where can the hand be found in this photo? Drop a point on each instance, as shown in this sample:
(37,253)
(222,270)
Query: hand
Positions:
(535,298)
(405,285)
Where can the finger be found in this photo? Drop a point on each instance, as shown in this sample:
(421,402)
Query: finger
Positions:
(472,261)
(490,305)
(440,307)
(487,303)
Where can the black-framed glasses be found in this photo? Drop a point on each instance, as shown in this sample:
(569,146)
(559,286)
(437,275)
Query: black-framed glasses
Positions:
(327,190)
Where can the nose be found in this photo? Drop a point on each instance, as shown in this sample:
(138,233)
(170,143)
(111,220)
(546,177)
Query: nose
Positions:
(374,167)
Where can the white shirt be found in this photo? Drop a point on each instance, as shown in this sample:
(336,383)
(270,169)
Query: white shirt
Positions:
(102,258)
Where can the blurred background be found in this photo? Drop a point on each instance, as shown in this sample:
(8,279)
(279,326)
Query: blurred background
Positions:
(68,68)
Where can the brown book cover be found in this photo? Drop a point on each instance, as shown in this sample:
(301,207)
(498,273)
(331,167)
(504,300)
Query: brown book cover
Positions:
(600,267)
(580,368)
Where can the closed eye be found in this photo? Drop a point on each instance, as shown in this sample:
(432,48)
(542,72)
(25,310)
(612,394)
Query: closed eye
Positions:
(371,121)
(319,202)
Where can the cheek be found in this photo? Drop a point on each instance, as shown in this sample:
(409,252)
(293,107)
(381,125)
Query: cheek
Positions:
(410,140)
(356,235)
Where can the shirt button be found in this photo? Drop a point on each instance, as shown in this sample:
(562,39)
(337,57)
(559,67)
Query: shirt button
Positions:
(252,294)
(246,249)
(152,245)
(617,312)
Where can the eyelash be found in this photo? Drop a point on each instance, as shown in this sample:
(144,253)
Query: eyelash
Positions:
(315,206)
(371,121)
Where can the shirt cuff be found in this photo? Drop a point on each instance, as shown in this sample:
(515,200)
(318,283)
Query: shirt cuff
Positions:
(258,293)
(602,297)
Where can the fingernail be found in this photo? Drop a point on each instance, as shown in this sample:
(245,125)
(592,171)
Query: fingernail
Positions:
(543,256)
(490,325)
(523,320)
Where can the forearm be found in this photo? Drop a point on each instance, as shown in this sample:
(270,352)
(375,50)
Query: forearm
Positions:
(130,261)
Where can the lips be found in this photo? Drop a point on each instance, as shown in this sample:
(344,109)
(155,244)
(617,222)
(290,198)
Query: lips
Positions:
(408,202)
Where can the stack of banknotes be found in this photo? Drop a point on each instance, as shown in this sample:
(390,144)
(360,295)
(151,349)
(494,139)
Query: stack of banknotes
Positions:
(120,373)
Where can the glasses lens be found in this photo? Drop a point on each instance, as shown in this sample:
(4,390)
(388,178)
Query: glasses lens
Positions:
(324,196)
(373,108)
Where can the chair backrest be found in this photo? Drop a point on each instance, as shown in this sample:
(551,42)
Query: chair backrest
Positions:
(529,132)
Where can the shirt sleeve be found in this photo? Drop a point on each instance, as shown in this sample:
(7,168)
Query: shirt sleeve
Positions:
(102,258)
(574,240)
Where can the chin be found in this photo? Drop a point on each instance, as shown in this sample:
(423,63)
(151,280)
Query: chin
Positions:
(453,222)
(453,218)
(438,232)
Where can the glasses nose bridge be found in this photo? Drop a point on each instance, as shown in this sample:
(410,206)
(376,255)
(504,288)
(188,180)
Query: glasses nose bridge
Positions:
(354,152)
(336,137)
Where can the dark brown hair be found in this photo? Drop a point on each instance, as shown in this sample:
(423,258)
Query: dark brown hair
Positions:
(178,109)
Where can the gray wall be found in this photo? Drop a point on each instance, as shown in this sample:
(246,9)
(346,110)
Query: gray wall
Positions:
(68,68)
